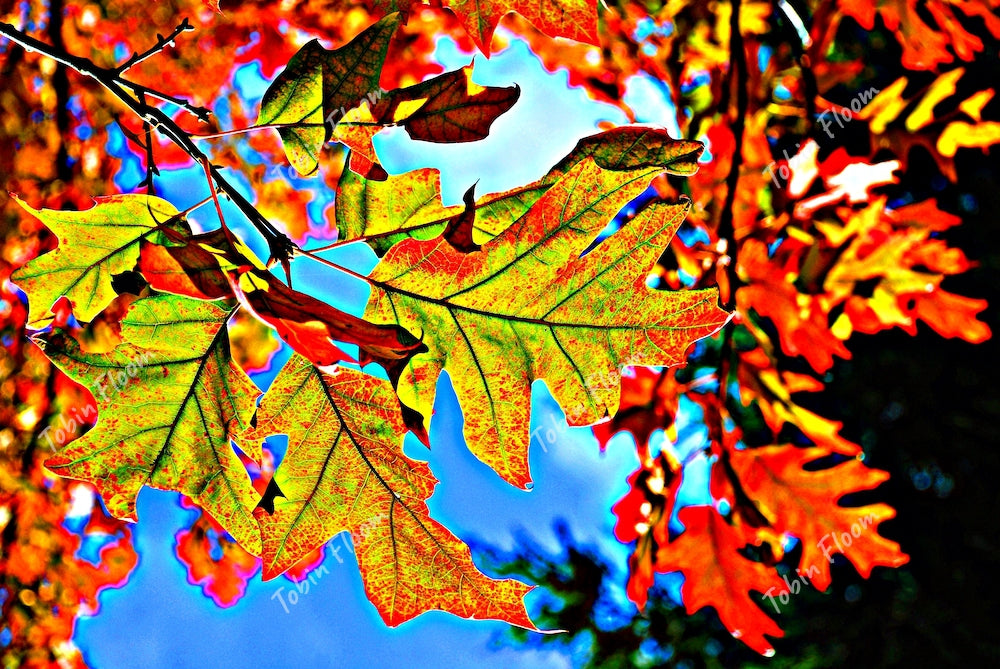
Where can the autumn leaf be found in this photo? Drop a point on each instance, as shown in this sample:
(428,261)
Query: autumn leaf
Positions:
(319,82)
(803,503)
(449,108)
(925,47)
(648,403)
(802,320)
(216,563)
(960,134)
(771,392)
(575,19)
(383,213)
(527,306)
(95,245)
(895,250)
(213,265)
(643,516)
(717,575)
(345,470)
(167,399)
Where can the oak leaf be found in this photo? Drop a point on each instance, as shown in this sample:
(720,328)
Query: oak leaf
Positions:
(716,574)
(167,399)
(345,470)
(94,246)
(527,306)
(318,83)
(803,503)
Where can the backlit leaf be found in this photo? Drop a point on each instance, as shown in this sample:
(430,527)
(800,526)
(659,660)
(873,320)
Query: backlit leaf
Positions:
(344,470)
(318,83)
(527,306)
(717,575)
(167,399)
(804,503)
(94,246)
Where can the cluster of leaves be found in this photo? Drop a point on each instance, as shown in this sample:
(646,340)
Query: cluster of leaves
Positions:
(499,292)
(797,222)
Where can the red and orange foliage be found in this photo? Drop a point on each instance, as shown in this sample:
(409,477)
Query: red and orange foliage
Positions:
(804,246)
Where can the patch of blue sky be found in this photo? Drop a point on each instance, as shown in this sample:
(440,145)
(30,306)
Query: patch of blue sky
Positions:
(544,125)
(650,99)
(764,54)
(691,235)
(672,582)
(250,83)
(697,79)
(132,171)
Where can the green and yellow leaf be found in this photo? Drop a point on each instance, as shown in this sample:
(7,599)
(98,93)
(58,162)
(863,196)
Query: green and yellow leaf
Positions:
(168,398)
(527,306)
(345,470)
(318,85)
(94,246)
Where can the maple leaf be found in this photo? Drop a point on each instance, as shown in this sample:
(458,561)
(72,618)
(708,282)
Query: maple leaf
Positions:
(385,212)
(575,19)
(345,470)
(804,503)
(527,306)
(94,246)
(717,575)
(167,399)
(319,82)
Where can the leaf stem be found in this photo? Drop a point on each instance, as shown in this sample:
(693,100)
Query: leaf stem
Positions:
(329,263)
(252,128)
(285,126)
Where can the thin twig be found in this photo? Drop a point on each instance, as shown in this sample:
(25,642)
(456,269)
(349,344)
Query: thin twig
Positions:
(161,44)
(200,113)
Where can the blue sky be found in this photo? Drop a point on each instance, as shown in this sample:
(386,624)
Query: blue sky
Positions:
(158,619)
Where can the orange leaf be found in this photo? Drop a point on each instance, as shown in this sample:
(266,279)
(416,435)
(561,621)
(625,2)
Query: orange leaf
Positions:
(717,575)
(804,504)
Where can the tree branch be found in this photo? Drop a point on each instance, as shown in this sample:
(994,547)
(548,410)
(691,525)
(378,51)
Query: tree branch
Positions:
(280,246)
(738,78)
